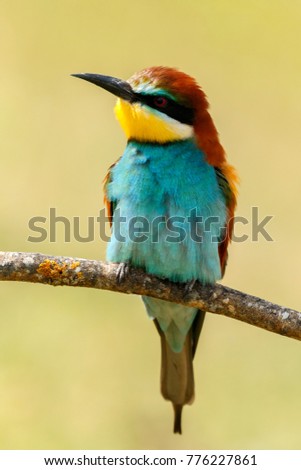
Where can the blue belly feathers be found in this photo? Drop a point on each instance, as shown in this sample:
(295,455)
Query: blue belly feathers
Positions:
(157,191)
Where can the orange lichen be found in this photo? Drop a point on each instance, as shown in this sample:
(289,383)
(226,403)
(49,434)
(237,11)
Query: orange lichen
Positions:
(74,265)
(53,270)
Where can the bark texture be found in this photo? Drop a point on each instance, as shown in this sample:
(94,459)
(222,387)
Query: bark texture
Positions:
(77,272)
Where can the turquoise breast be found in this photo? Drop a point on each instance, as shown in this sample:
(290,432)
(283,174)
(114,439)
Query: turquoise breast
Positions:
(169,212)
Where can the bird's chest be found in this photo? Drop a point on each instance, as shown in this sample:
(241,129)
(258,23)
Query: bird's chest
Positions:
(156,177)
(144,181)
(164,197)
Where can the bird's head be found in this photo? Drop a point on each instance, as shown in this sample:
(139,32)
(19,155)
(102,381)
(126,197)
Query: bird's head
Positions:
(161,105)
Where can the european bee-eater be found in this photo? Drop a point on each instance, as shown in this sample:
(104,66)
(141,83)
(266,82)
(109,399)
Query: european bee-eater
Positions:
(171,199)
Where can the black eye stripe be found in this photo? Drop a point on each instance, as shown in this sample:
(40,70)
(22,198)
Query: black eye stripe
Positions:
(174,110)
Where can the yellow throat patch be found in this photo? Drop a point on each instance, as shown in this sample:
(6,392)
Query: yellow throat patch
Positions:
(140,123)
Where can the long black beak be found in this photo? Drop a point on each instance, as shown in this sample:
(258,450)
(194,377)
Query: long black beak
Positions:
(114,85)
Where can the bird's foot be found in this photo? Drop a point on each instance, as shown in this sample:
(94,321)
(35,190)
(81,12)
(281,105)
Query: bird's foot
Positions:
(122,271)
(188,287)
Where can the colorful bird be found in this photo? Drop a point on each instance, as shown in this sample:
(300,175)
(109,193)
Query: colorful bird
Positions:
(171,199)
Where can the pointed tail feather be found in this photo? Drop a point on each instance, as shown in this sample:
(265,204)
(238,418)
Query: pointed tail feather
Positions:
(177,382)
(177,427)
(177,379)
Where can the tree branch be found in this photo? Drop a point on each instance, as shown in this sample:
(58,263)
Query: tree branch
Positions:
(77,272)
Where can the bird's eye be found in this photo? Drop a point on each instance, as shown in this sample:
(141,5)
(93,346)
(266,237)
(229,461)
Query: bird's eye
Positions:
(160,101)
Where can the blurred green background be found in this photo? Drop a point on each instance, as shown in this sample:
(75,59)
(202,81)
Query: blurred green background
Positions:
(80,368)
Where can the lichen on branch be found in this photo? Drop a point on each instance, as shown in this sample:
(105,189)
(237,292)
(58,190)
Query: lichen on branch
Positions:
(218,299)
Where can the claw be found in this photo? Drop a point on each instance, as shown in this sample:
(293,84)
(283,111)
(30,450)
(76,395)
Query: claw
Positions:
(122,271)
(189,286)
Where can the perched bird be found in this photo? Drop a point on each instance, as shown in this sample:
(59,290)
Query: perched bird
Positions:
(171,198)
